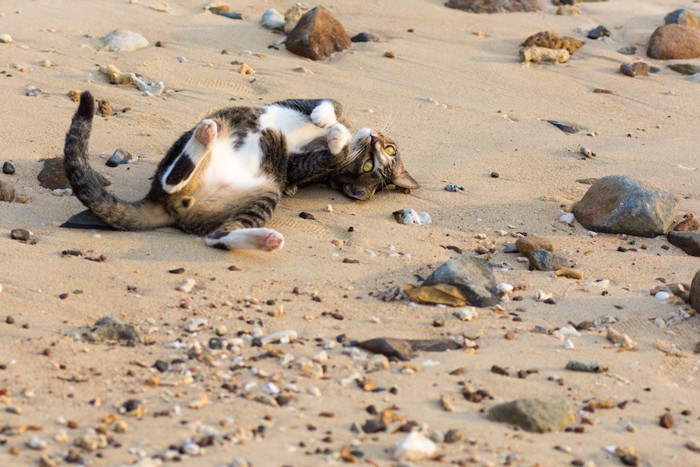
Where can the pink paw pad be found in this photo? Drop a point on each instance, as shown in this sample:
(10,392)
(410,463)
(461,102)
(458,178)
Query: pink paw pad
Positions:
(270,241)
(205,132)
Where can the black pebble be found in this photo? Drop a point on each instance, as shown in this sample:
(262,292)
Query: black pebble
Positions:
(341,338)
(177,271)
(216,344)
(19,234)
(256,342)
(161,366)
(495,175)
(8,168)
(364,37)
(131,405)
(306,215)
(72,253)
(598,32)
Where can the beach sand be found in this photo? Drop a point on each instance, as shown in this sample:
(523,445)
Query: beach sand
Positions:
(461,106)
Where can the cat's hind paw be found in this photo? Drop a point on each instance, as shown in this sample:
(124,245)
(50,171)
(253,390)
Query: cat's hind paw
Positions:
(206,132)
(260,239)
(338,137)
(324,115)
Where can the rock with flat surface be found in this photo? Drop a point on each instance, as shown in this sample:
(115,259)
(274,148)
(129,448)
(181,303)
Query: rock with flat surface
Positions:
(123,40)
(415,447)
(471,276)
(317,35)
(494,6)
(686,241)
(621,205)
(538,415)
(695,292)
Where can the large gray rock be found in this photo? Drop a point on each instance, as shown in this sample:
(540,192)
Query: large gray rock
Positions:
(317,35)
(621,205)
(539,415)
(471,276)
(695,292)
(684,17)
(686,241)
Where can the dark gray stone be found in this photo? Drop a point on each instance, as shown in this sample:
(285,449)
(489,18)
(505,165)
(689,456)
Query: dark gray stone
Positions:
(472,276)
(8,168)
(685,68)
(627,50)
(543,260)
(598,32)
(53,175)
(621,205)
(389,347)
(695,292)
(364,37)
(686,241)
(538,415)
(108,329)
(684,17)
(494,6)
(120,156)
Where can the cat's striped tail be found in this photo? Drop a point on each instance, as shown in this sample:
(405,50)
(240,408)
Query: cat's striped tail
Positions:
(124,215)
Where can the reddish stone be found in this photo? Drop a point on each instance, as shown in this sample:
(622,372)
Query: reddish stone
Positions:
(317,35)
(673,41)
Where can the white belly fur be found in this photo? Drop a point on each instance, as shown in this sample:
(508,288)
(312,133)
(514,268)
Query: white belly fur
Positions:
(297,129)
(234,169)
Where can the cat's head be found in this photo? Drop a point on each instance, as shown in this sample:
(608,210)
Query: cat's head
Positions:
(374,164)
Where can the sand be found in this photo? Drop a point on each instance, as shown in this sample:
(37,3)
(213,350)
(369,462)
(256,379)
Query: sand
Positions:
(460,106)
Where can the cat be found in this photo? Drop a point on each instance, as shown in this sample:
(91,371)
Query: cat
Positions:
(224,178)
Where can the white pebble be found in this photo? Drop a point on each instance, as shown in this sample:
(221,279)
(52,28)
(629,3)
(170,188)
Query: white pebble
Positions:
(466,314)
(287,335)
(191,448)
(541,296)
(123,40)
(321,357)
(6,39)
(329,208)
(567,218)
(187,285)
(181,59)
(271,388)
(504,288)
(272,19)
(36,443)
(568,344)
(662,296)
(314,391)
(414,447)
(196,324)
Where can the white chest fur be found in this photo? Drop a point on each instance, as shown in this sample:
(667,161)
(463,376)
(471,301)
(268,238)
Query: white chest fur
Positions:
(234,166)
(296,127)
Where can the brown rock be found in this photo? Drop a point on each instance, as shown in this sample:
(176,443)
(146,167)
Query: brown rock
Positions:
(635,69)
(684,17)
(690,223)
(494,6)
(695,292)
(673,41)
(53,175)
(552,40)
(527,245)
(317,35)
(7,192)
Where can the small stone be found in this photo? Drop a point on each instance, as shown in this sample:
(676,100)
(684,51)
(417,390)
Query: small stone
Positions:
(543,54)
(471,276)
(272,19)
(543,260)
(364,37)
(567,218)
(196,325)
(104,108)
(187,285)
(390,54)
(552,40)
(684,17)
(6,39)
(587,367)
(666,421)
(412,217)
(627,50)
(453,187)
(284,336)
(399,349)
(246,69)
(415,447)
(635,69)
(480,6)
(23,235)
(529,244)
(123,40)
(8,168)
(628,455)
(598,32)
(693,445)
(569,273)
(306,215)
(539,415)
(317,35)
(36,443)
(119,156)
(695,292)
(161,366)
(7,192)
(108,329)
(685,68)
(673,42)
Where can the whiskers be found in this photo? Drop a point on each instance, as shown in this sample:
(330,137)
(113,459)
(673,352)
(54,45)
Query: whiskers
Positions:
(390,119)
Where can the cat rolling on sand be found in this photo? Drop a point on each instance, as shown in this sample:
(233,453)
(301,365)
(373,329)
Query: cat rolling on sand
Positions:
(224,178)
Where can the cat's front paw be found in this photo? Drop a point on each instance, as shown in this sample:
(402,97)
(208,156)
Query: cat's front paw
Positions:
(206,132)
(291,190)
(324,115)
(338,137)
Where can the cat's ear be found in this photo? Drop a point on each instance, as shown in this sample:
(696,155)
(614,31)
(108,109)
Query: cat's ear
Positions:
(405,180)
(363,194)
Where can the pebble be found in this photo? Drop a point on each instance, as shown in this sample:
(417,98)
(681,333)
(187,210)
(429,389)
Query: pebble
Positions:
(22,235)
(123,40)
(415,447)
(586,367)
(196,324)
(453,187)
(543,260)
(501,6)
(567,218)
(364,37)
(187,285)
(8,168)
(627,50)
(569,273)
(684,17)
(33,91)
(666,420)
(635,69)
(568,344)
(272,19)
(62,192)
(598,32)
(552,40)
(695,291)
(689,242)
(390,54)
(543,54)
(693,445)
(466,314)
(6,39)
(529,244)
(538,415)
(119,156)
(284,336)
(412,217)
(36,443)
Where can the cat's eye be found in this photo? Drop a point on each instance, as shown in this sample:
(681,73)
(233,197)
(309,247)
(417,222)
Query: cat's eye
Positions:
(368,166)
(390,149)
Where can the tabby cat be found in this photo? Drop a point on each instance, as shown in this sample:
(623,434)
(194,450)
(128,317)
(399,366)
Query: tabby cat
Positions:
(224,178)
